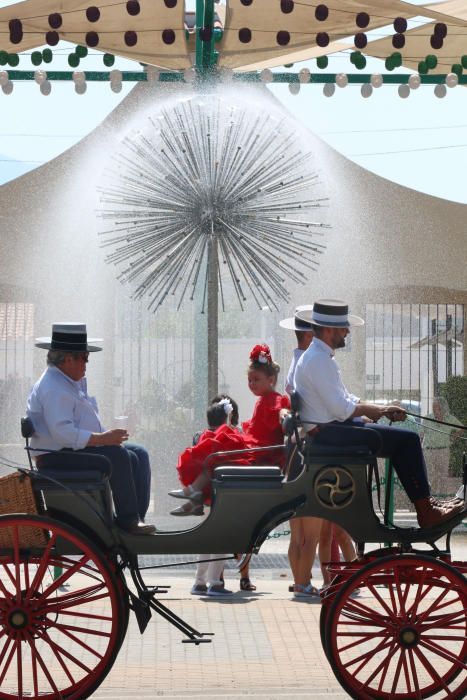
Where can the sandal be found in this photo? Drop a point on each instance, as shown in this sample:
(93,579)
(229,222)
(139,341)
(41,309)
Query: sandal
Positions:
(246,585)
(309,591)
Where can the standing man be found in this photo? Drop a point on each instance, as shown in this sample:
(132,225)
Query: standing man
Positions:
(304,532)
(329,411)
(66,418)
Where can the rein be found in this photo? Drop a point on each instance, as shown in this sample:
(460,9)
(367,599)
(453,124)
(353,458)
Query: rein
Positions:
(435,420)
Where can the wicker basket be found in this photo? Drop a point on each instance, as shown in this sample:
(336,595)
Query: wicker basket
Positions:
(17,496)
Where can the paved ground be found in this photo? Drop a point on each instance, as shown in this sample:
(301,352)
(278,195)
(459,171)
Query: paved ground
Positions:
(266,644)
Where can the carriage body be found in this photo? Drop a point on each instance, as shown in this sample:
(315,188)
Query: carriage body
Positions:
(89,597)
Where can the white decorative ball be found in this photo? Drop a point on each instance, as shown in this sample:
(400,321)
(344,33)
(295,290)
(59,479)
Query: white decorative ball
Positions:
(440,90)
(40,76)
(304,75)
(3,77)
(46,87)
(152,74)
(404,91)
(80,88)
(115,76)
(366,90)
(342,80)
(266,75)
(189,75)
(329,89)
(115,86)
(79,76)
(7,87)
(294,88)
(376,80)
(414,81)
(452,79)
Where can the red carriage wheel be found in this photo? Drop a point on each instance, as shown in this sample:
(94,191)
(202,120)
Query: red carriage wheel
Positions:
(58,636)
(403,635)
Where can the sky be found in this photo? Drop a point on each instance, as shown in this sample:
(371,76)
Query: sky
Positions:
(419,142)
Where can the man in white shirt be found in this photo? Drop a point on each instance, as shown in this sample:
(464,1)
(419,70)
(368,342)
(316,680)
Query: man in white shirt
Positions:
(332,414)
(304,336)
(66,418)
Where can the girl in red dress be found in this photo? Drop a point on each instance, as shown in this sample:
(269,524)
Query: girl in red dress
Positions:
(263,430)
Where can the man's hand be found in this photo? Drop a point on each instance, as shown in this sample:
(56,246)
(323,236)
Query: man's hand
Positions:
(395,413)
(109,437)
(374,412)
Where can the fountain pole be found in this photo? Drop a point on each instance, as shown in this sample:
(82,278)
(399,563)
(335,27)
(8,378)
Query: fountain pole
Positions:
(205,67)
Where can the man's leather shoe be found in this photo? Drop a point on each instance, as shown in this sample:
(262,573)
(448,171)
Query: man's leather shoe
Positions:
(139,528)
(430,513)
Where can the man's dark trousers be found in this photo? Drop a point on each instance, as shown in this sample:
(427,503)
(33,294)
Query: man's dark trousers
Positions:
(402,447)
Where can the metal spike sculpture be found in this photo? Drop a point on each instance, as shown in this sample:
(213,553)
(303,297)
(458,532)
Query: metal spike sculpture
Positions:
(207,192)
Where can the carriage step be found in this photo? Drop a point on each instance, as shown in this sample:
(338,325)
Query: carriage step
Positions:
(198,641)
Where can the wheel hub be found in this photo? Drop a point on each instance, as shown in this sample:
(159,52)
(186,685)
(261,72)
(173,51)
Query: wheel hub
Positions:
(408,637)
(18,619)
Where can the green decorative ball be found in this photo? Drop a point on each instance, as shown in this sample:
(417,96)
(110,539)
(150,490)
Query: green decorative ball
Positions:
(47,56)
(354,57)
(422,68)
(81,51)
(73,60)
(288,65)
(457,68)
(397,59)
(13,60)
(322,62)
(36,58)
(464,61)
(3,58)
(360,63)
(389,63)
(431,61)
(108,59)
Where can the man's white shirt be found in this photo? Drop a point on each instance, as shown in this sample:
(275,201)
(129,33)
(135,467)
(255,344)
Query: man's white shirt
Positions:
(289,382)
(318,382)
(62,412)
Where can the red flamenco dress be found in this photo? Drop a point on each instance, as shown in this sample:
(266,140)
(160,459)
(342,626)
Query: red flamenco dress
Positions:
(262,430)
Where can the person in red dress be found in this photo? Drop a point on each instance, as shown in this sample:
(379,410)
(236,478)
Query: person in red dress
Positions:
(263,430)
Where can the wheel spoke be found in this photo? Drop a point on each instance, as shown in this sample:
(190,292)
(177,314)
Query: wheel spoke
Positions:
(414,675)
(36,654)
(382,602)
(19,668)
(74,628)
(41,569)
(443,653)
(63,578)
(59,649)
(79,641)
(7,662)
(429,667)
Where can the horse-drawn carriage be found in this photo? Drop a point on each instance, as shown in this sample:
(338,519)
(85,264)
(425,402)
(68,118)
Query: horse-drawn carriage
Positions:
(393,622)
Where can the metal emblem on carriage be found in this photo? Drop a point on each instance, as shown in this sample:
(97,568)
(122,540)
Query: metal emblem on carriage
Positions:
(334,487)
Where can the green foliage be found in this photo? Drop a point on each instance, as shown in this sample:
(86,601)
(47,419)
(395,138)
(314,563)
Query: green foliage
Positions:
(455,393)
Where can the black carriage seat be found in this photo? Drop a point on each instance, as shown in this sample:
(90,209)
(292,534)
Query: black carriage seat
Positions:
(59,482)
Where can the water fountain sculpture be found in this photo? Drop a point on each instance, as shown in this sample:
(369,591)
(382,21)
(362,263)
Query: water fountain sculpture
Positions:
(208,190)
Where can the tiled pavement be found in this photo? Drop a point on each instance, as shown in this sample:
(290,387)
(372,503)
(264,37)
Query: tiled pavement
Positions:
(266,644)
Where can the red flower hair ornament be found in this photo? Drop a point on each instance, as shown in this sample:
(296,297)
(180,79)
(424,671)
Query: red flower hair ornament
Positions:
(261,354)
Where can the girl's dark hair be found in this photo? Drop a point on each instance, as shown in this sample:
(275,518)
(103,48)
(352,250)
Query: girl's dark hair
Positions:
(216,414)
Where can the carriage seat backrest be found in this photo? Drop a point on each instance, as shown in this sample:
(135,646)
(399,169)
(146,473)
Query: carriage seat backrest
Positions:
(75,459)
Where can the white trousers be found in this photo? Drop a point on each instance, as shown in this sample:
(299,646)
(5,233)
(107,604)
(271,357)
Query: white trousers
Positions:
(210,572)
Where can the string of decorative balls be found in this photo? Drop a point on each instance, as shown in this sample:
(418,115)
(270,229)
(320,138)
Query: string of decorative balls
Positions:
(362,21)
(93,15)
